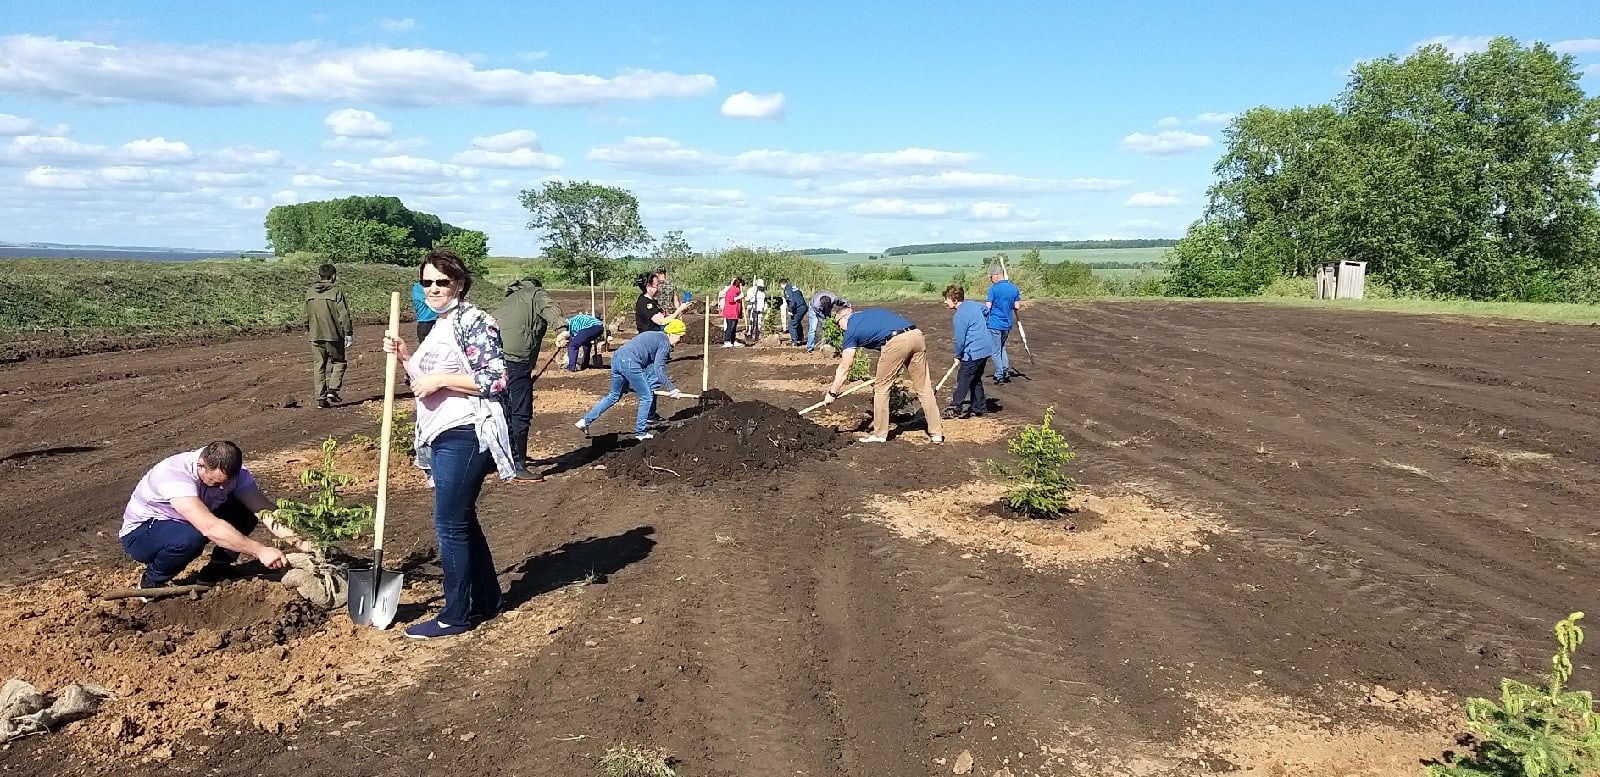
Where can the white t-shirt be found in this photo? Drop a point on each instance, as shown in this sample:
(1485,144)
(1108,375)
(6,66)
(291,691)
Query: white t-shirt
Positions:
(439,355)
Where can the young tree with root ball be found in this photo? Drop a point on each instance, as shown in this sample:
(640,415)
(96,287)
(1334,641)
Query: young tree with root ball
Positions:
(585,226)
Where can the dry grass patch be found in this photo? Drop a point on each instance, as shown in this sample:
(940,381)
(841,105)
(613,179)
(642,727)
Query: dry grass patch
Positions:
(565,400)
(358,461)
(784,355)
(981,431)
(1489,457)
(1270,736)
(247,653)
(1107,525)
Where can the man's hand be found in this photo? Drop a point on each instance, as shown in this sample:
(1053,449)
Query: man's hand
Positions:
(271,558)
(347,339)
(561,339)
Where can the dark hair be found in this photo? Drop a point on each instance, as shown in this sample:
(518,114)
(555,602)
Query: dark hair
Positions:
(737,281)
(955,293)
(825,305)
(223,455)
(643,281)
(327,271)
(784,281)
(445,261)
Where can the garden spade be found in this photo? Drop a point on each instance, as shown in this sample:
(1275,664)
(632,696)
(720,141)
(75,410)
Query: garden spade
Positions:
(1021,330)
(375,594)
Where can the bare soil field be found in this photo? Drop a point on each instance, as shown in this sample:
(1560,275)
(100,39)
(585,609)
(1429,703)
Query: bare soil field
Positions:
(1303,537)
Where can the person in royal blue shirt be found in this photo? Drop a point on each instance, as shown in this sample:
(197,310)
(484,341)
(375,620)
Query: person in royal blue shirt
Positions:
(974,346)
(1004,299)
(900,345)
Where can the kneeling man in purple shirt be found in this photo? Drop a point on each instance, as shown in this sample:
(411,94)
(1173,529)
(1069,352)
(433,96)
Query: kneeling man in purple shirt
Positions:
(196,498)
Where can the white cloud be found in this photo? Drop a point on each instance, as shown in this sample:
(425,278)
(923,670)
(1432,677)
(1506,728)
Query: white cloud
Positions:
(286,197)
(407,165)
(999,211)
(311,181)
(789,202)
(242,158)
(748,105)
(1577,46)
(1215,118)
(1097,184)
(655,154)
(517,158)
(374,146)
(1158,199)
(962,182)
(897,208)
(353,123)
(1456,45)
(16,125)
(1165,143)
(152,150)
(52,178)
(1169,121)
(398,25)
(306,72)
(508,141)
(250,203)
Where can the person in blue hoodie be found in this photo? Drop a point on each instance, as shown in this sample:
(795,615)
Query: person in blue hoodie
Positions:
(640,365)
(425,315)
(974,346)
(794,302)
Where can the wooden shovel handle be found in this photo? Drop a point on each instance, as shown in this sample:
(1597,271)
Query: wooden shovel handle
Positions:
(155,593)
(386,427)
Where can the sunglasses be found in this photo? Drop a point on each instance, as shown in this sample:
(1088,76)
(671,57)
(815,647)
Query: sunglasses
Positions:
(443,283)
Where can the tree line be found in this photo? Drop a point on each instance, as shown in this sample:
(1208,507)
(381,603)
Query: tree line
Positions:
(946,248)
(375,230)
(1451,176)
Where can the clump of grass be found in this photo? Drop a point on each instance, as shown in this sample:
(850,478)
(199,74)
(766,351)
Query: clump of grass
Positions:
(627,760)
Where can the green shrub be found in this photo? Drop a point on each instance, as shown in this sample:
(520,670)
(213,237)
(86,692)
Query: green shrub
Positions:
(857,273)
(861,367)
(324,522)
(708,274)
(1039,488)
(402,433)
(1535,731)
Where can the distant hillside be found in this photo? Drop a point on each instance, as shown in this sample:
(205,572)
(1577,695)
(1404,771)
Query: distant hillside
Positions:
(1023,245)
(821,251)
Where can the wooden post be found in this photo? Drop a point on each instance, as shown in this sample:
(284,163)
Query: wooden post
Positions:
(705,361)
(592,308)
(605,325)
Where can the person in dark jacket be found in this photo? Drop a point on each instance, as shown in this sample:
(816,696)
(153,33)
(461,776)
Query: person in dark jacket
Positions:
(525,316)
(794,301)
(641,366)
(331,328)
(974,346)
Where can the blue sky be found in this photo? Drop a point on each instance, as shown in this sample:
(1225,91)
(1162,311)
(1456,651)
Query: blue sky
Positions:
(855,125)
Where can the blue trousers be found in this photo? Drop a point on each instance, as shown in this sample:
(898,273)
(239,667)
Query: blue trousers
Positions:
(582,341)
(795,325)
(471,591)
(1002,362)
(166,547)
(811,333)
(627,376)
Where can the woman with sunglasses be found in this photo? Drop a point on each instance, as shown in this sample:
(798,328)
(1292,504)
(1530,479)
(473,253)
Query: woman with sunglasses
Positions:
(456,373)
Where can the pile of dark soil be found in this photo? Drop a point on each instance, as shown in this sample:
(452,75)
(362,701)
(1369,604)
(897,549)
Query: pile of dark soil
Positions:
(727,441)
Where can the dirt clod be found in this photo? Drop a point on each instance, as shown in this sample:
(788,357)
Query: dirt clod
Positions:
(731,441)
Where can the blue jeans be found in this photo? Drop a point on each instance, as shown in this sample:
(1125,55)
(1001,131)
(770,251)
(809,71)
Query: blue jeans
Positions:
(166,547)
(811,334)
(794,326)
(626,375)
(582,341)
(470,589)
(1002,362)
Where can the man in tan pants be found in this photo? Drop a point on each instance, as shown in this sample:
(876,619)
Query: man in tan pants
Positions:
(900,345)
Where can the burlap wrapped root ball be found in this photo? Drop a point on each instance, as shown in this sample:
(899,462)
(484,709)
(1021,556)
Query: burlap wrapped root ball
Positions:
(316,580)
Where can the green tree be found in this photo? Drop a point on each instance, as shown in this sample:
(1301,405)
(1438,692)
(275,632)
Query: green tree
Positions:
(373,242)
(471,245)
(585,226)
(1467,176)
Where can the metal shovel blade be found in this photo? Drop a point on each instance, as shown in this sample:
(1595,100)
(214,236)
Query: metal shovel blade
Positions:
(374,596)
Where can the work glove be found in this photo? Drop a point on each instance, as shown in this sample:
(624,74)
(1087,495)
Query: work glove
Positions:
(675,394)
(828,398)
(347,339)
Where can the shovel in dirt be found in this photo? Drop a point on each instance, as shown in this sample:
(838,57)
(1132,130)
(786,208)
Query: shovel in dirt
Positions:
(375,594)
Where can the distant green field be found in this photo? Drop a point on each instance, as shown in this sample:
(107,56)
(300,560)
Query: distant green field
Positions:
(939,267)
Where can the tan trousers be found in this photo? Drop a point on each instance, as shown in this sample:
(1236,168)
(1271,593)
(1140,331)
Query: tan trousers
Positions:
(904,350)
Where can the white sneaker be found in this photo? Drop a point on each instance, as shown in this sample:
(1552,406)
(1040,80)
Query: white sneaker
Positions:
(872,438)
(738,345)
(936,439)
(582,427)
(727,345)
(643,437)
